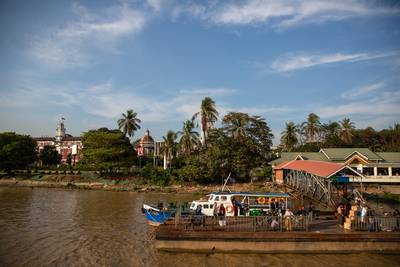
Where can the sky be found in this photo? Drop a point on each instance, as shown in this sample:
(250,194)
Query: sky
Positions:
(90,61)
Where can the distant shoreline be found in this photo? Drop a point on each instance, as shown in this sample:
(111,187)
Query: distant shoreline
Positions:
(126,187)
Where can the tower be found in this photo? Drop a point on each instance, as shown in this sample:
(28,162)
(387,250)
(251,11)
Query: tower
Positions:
(60,131)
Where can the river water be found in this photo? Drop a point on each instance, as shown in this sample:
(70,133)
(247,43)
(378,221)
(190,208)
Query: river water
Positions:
(57,227)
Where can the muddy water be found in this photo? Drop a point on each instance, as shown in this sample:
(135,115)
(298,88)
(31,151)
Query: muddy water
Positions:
(54,227)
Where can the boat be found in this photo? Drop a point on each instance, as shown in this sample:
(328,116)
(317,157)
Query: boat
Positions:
(156,216)
(249,203)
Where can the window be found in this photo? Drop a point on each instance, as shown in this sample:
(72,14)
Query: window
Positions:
(396,171)
(211,206)
(205,206)
(223,198)
(216,198)
(369,171)
(383,171)
(193,205)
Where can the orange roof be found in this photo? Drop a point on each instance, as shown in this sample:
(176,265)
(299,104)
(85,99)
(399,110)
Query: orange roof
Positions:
(320,168)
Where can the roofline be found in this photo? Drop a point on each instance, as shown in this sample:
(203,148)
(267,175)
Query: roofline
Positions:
(323,152)
(356,151)
(346,167)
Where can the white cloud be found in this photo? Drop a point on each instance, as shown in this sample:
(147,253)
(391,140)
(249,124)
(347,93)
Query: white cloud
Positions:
(289,13)
(298,62)
(210,91)
(362,91)
(106,102)
(71,45)
(387,103)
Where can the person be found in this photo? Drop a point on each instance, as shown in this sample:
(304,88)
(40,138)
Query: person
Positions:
(288,219)
(215,210)
(371,220)
(364,212)
(340,214)
(273,205)
(198,210)
(235,207)
(274,224)
(310,210)
(221,215)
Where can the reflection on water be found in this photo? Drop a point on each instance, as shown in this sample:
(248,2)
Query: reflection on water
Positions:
(50,227)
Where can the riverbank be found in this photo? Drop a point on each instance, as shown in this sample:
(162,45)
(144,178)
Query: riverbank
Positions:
(75,182)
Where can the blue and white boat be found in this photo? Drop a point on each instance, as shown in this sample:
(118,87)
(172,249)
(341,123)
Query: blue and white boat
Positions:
(156,216)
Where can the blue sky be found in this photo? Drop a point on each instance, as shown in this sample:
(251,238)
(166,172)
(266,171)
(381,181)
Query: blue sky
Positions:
(89,61)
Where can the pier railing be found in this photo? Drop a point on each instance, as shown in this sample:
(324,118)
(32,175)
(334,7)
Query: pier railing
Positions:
(242,224)
(376,223)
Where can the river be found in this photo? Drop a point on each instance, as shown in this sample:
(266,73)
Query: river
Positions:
(58,227)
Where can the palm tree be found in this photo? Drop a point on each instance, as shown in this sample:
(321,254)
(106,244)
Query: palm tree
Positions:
(289,136)
(346,133)
(312,127)
(189,137)
(330,129)
(236,123)
(168,148)
(208,116)
(129,123)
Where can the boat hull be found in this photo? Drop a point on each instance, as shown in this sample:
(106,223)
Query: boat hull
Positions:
(154,216)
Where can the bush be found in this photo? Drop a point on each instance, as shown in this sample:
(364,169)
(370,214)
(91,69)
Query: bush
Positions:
(156,175)
(264,173)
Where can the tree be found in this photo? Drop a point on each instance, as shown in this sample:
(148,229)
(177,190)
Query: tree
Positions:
(129,123)
(312,127)
(252,130)
(189,137)
(347,129)
(208,116)
(168,148)
(289,136)
(107,150)
(16,151)
(49,156)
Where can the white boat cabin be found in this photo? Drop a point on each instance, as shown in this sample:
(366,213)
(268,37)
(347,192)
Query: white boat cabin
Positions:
(247,201)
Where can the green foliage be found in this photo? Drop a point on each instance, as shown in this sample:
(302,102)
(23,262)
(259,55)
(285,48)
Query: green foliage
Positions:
(156,175)
(264,172)
(49,156)
(106,150)
(129,123)
(16,151)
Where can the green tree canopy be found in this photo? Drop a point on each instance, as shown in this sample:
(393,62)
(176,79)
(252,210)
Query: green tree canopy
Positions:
(105,149)
(16,151)
(129,123)
(49,156)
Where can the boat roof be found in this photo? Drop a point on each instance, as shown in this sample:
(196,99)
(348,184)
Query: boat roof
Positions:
(252,194)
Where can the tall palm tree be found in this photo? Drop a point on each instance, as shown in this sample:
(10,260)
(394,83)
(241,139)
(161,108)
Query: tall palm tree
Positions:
(346,133)
(208,116)
(168,148)
(129,123)
(312,127)
(289,136)
(189,137)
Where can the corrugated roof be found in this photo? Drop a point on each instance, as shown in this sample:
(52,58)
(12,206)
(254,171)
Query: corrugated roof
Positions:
(319,168)
(288,156)
(390,157)
(343,153)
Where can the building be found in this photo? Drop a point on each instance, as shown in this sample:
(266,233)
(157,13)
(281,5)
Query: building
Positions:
(146,145)
(64,143)
(377,167)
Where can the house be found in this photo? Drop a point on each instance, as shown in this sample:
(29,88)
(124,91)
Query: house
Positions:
(65,144)
(376,167)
